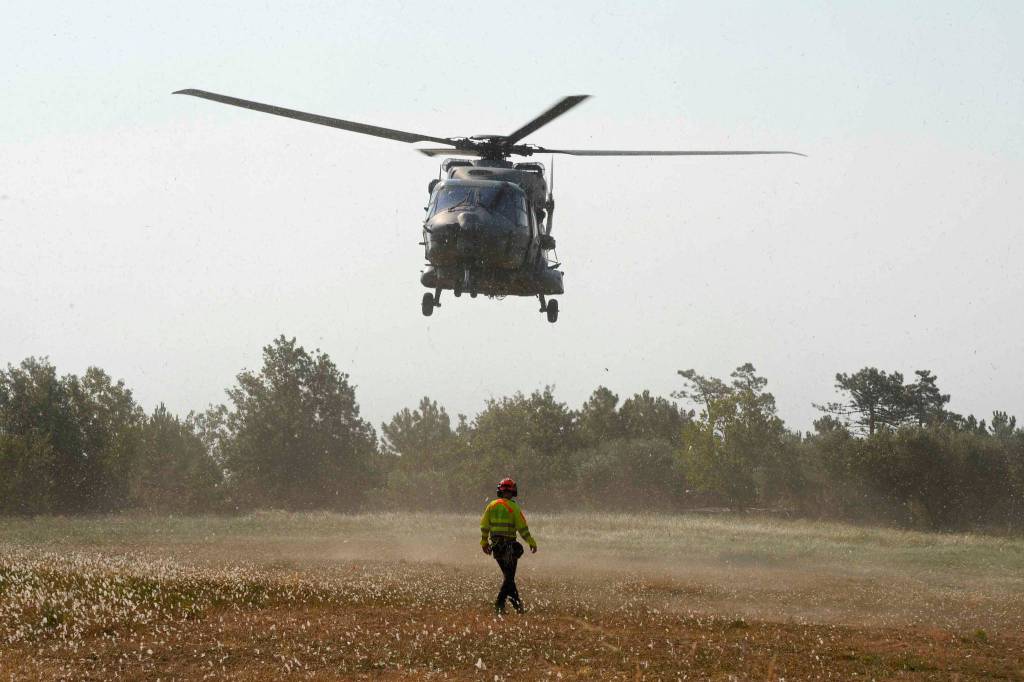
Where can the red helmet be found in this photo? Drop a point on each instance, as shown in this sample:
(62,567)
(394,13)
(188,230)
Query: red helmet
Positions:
(507,485)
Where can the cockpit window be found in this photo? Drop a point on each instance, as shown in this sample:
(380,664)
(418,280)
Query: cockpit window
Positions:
(453,197)
(506,205)
(499,199)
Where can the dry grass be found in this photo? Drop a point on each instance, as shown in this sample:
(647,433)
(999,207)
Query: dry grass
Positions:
(406,596)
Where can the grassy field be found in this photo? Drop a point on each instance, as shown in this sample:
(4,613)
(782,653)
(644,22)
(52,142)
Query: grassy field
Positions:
(407,596)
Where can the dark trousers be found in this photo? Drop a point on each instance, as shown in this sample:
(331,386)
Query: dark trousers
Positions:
(507,555)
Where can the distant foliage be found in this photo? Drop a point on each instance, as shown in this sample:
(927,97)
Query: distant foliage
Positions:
(72,445)
(931,477)
(737,448)
(423,461)
(67,444)
(291,437)
(876,400)
(175,471)
(602,456)
(630,474)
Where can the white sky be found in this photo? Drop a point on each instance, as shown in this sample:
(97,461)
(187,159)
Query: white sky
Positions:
(167,239)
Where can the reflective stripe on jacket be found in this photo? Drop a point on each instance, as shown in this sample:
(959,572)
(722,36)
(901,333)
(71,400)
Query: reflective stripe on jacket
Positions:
(504,518)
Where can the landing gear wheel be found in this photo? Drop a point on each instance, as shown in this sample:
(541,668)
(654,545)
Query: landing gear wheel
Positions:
(428,304)
(552,311)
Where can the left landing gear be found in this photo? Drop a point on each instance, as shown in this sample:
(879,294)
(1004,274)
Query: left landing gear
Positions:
(431,301)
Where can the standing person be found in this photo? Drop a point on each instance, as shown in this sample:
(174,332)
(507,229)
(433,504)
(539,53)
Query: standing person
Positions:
(502,519)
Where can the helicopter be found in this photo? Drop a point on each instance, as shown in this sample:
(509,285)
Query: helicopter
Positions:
(488,222)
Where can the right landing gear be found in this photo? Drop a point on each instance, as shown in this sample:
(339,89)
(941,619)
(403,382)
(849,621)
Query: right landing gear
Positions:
(552,311)
(549,307)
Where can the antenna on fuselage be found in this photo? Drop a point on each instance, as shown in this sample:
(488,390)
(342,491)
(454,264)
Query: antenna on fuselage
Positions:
(549,205)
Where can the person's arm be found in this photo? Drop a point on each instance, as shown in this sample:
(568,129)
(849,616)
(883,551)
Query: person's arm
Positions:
(524,530)
(485,530)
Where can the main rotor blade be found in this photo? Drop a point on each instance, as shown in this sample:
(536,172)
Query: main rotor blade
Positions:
(352,126)
(636,152)
(548,116)
(434,151)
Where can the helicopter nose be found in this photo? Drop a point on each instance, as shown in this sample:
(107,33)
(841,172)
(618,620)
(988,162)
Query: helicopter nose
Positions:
(467,220)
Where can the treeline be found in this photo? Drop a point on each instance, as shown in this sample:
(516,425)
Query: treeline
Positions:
(290,436)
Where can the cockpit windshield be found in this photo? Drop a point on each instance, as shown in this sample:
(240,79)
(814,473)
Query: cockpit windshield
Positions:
(500,199)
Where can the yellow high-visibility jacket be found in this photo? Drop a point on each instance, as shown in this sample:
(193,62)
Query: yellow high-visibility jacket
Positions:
(504,518)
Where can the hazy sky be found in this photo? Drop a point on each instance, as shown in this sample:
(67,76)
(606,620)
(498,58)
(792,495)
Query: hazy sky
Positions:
(167,239)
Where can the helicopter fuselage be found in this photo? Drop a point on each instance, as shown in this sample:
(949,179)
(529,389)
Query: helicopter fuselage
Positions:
(484,231)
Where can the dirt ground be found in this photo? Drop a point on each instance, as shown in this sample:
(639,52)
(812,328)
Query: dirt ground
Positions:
(330,597)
